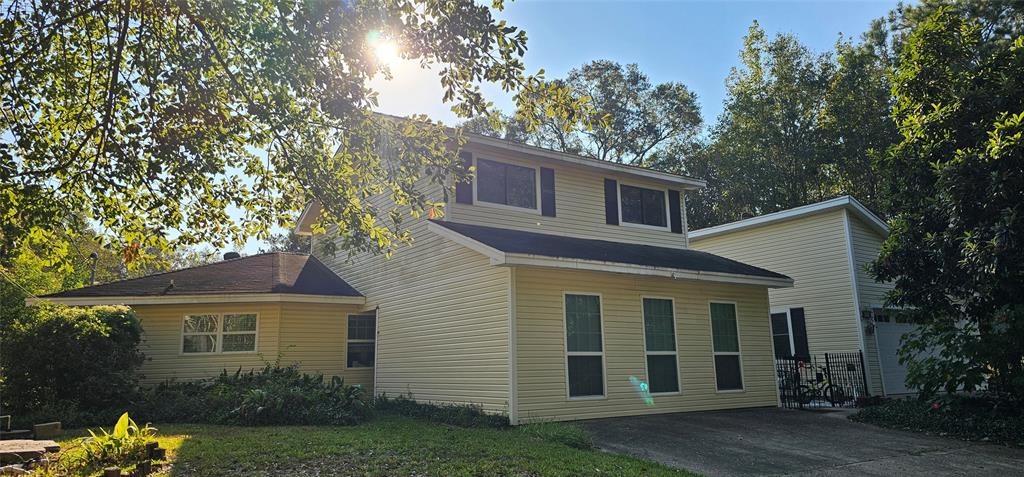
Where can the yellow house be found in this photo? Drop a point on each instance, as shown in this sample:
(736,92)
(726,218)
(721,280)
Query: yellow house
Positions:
(555,287)
(835,306)
(562,287)
(244,313)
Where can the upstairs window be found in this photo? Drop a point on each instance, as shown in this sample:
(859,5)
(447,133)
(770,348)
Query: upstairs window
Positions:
(643,206)
(362,340)
(506,184)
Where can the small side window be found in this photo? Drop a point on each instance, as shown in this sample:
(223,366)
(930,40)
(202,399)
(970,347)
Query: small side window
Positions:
(362,339)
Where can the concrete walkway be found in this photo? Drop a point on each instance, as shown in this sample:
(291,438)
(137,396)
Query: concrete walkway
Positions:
(785,442)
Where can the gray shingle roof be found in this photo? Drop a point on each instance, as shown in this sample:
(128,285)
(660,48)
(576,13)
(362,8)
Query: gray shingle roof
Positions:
(273,272)
(556,246)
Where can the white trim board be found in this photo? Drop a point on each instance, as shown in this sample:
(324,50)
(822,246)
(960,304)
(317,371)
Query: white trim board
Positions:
(203,298)
(845,202)
(509,259)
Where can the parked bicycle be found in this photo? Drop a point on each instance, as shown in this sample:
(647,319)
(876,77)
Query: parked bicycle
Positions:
(822,389)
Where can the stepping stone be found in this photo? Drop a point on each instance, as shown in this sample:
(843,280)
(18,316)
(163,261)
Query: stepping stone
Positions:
(21,450)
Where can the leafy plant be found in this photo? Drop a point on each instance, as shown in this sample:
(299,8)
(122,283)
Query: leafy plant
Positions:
(269,396)
(125,445)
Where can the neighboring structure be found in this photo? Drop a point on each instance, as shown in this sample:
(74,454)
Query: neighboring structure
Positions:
(555,287)
(835,305)
(244,313)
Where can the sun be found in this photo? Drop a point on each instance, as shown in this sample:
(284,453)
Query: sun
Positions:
(386,52)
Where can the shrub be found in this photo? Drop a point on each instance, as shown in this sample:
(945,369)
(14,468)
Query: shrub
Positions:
(462,415)
(970,418)
(64,362)
(272,395)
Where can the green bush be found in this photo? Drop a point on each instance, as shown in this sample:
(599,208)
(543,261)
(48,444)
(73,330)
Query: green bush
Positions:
(968,418)
(67,363)
(270,396)
(461,415)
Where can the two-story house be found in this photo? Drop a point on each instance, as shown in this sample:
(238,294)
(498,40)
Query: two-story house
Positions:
(555,287)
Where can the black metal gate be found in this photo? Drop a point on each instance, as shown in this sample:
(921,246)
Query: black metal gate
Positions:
(825,380)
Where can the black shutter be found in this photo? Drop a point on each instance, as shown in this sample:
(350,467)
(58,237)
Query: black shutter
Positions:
(547,192)
(675,211)
(799,332)
(464,190)
(611,202)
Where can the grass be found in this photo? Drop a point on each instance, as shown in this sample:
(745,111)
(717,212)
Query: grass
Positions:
(392,445)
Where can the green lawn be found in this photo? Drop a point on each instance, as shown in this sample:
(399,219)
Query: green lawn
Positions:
(391,446)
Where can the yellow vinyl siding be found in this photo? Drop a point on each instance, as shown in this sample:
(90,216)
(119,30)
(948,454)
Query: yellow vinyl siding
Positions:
(866,244)
(299,332)
(314,336)
(442,319)
(162,328)
(579,203)
(812,251)
(541,361)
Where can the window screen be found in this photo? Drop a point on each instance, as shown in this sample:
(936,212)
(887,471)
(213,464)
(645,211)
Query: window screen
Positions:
(643,206)
(726,347)
(506,184)
(585,356)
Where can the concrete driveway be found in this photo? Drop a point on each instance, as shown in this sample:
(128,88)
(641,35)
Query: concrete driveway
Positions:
(787,442)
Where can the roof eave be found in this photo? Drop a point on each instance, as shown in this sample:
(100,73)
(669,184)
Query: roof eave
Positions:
(501,258)
(199,299)
(844,202)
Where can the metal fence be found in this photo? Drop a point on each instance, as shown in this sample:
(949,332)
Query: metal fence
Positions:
(824,380)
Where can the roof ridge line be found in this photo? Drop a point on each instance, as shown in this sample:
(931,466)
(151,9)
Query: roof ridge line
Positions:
(157,274)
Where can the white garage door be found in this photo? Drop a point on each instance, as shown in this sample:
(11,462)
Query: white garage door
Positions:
(894,374)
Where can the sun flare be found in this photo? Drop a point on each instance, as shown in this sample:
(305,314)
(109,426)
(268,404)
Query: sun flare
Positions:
(386,52)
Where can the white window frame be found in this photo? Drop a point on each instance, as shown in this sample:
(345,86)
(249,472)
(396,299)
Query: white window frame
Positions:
(219,334)
(789,325)
(675,345)
(739,347)
(484,203)
(565,348)
(668,211)
(349,340)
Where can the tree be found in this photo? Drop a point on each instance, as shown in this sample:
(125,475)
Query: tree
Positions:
(498,125)
(152,118)
(631,119)
(768,150)
(955,249)
(857,121)
(287,242)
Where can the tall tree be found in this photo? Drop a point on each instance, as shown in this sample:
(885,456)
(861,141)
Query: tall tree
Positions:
(768,150)
(631,119)
(857,121)
(154,117)
(956,248)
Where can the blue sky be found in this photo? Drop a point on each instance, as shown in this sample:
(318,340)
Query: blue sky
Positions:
(693,42)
